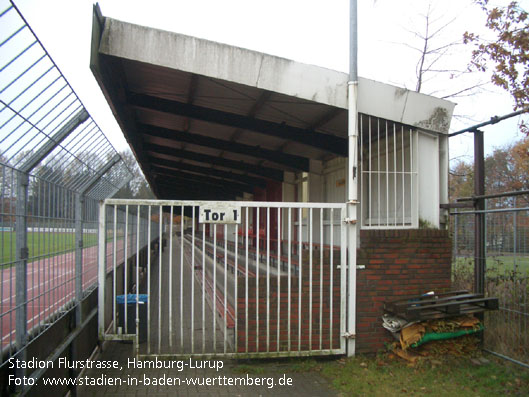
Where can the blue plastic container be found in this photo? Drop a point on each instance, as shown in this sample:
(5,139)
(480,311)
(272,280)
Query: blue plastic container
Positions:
(131,298)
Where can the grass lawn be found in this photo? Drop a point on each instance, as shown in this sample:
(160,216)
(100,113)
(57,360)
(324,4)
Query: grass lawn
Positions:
(41,244)
(386,375)
(496,264)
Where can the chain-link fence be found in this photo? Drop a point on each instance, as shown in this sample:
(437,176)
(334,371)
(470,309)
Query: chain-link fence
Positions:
(506,274)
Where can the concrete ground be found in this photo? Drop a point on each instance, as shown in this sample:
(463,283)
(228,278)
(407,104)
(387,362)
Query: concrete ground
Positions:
(196,377)
(153,382)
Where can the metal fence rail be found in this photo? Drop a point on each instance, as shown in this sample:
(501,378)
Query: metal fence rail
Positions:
(506,275)
(55,165)
(270,283)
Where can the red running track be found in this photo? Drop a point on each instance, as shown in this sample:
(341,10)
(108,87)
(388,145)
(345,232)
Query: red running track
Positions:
(50,287)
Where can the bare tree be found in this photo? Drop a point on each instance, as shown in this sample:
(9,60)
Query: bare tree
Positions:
(438,63)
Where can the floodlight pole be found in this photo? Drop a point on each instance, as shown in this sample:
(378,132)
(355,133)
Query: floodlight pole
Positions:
(352,186)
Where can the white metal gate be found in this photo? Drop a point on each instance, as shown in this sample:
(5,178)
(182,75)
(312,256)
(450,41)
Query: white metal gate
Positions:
(223,278)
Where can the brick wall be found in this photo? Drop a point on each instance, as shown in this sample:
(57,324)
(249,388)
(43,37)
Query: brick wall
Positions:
(398,263)
(257,329)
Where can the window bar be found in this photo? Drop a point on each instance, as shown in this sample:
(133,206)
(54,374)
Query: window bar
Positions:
(403,177)
(416,134)
(379,195)
(395,172)
(369,174)
(387,174)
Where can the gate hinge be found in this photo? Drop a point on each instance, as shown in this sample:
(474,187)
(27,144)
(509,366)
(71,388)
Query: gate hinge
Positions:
(349,335)
(350,221)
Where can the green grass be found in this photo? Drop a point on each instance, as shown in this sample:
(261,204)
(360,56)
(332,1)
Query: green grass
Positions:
(496,264)
(383,376)
(386,375)
(41,244)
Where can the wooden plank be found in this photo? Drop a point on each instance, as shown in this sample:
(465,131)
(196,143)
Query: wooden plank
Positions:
(442,307)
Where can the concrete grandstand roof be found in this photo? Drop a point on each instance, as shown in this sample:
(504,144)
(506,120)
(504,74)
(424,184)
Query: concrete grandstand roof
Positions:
(201,113)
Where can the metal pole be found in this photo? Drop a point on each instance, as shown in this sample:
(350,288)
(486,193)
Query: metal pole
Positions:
(101,241)
(479,217)
(22,253)
(455,236)
(515,245)
(485,228)
(352,191)
(79,202)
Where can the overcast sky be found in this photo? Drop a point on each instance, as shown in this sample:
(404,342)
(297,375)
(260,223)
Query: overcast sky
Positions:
(309,31)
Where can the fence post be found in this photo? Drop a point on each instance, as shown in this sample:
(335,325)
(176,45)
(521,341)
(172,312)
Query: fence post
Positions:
(454,248)
(101,243)
(479,206)
(79,202)
(22,254)
(515,236)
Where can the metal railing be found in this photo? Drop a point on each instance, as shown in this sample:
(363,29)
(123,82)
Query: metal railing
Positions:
(270,283)
(506,273)
(388,174)
(55,165)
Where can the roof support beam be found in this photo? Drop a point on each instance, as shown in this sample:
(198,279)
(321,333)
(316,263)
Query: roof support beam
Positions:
(225,175)
(185,194)
(329,143)
(270,173)
(321,121)
(293,162)
(199,179)
(205,190)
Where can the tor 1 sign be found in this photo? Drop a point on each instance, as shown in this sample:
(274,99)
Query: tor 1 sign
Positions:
(220,214)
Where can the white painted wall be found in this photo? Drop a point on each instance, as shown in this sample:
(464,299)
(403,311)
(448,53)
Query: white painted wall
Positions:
(429,179)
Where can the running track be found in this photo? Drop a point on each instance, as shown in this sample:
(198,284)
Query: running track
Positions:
(50,287)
